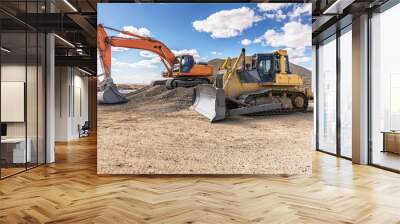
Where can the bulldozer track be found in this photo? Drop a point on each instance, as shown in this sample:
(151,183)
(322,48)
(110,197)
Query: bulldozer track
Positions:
(282,111)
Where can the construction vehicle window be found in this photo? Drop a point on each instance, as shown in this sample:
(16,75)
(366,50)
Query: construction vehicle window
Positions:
(177,66)
(287,64)
(187,63)
(277,67)
(264,66)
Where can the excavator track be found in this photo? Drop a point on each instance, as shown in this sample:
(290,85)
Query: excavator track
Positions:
(276,94)
(185,82)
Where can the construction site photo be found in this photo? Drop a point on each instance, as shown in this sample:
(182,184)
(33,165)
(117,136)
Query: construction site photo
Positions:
(204,89)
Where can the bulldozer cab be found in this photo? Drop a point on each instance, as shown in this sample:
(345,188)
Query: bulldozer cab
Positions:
(268,65)
(184,63)
(264,68)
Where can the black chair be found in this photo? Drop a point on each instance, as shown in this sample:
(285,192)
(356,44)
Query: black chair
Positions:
(84,130)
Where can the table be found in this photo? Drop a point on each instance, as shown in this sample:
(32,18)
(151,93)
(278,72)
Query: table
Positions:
(391,141)
(16,151)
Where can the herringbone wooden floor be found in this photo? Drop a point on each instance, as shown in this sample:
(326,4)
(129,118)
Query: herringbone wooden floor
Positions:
(69,191)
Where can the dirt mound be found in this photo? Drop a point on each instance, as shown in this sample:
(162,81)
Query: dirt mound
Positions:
(161,99)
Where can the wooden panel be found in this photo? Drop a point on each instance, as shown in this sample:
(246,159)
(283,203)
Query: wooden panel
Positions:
(392,142)
(69,191)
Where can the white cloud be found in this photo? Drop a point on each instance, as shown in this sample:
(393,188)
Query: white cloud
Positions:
(257,40)
(298,55)
(300,60)
(143,71)
(267,7)
(300,10)
(246,42)
(145,63)
(119,49)
(216,53)
(142,31)
(227,23)
(192,52)
(147,54)
(296,52)
(277,15)
(293,35)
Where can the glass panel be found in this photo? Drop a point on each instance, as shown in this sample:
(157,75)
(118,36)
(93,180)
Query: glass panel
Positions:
(346,94)
(13,87)
(327,96)
(32,88)
(31,98)
(385,84)
(41,98)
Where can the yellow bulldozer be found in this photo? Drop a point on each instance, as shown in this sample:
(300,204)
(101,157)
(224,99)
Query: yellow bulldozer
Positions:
(266,86)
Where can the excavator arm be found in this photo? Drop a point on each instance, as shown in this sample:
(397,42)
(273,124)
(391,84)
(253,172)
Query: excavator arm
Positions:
(109,94)
(105,43)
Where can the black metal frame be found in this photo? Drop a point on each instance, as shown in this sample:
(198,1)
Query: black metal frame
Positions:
(338,153)
(387,5)
(380,9)
(338,76)
(44,77)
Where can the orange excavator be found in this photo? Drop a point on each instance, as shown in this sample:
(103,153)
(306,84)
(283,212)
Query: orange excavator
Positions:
(181,71)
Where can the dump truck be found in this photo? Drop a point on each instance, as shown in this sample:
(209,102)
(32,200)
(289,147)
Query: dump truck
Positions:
(181,70)
(266,86)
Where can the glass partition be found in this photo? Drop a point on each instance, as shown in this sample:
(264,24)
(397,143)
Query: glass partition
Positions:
(346,93)
(13,94)
(41,97)
(22,77)
(385,89)
(327,96)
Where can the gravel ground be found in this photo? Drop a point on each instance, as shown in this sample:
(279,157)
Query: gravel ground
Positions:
(157,133)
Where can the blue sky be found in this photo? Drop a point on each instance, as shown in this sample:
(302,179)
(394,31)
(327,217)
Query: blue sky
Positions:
(206,31)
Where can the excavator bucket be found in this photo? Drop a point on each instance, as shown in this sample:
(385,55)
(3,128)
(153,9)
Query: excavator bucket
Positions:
(210,102)
(109,93)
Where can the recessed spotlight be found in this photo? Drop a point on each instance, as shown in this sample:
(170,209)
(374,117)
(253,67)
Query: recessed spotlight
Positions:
(5,50)
(70,5)
(86,72)
(64,40)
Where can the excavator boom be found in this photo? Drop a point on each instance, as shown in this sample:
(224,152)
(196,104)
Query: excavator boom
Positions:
(182,69)
(105,43)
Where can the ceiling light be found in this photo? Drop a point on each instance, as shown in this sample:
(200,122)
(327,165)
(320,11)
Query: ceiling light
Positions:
(337,7)
(5,50)
(70,5)
(84,71)
(64,40)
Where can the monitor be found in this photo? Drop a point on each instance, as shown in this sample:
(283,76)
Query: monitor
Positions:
(3,129)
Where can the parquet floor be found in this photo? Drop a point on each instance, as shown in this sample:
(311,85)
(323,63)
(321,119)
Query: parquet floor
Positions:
(69,191)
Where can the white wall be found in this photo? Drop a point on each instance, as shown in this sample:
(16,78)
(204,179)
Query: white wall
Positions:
(71,102)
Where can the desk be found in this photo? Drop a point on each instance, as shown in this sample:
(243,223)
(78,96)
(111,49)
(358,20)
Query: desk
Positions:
(15,148)
(391,141)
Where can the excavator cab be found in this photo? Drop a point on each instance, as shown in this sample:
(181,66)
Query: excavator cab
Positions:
(184,63)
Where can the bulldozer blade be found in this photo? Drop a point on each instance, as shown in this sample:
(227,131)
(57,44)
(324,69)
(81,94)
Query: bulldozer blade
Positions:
(110,95)
(210,102)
